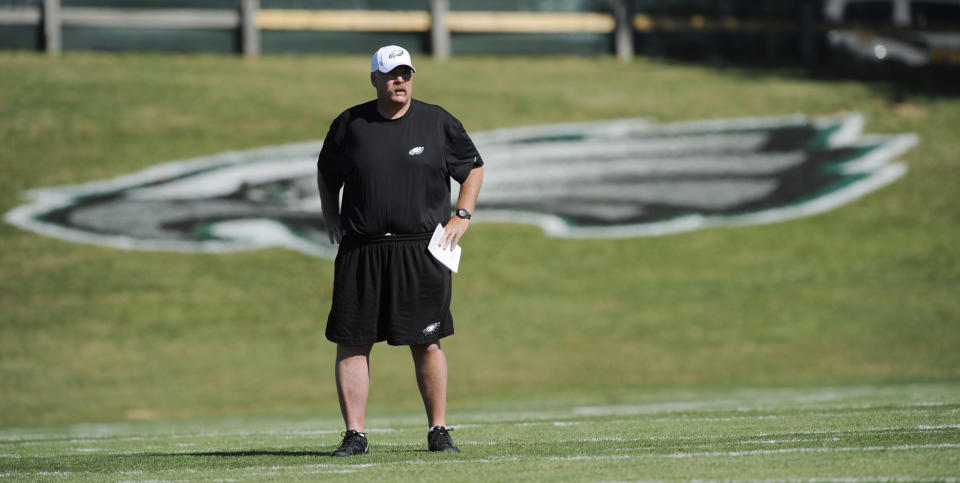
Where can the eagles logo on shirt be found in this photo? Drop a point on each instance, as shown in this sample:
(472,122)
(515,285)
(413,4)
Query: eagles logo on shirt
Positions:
(620,178)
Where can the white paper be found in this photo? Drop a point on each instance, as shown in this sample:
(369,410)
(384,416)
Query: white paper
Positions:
(447,257)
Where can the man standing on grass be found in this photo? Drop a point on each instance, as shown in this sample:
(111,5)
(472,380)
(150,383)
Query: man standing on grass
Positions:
(393,157)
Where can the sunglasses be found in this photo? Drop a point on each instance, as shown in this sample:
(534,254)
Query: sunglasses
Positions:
(405,73)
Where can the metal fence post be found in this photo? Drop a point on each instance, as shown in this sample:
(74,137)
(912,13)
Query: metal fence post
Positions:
(249,32)
(624,31)
(439,33)
(808,32)
(51,26)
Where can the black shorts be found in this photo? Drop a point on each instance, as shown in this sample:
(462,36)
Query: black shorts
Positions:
(390,288)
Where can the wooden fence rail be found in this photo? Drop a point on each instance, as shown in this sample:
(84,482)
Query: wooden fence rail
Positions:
(439,22)
(249,19)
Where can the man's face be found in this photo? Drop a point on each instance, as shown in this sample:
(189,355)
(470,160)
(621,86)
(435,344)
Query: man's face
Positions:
(395,86)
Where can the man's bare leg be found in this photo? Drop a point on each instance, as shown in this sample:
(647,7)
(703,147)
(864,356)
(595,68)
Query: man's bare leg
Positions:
(353,383)
(431,367)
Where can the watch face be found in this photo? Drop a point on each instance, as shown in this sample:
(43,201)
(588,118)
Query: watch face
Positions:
(462,213)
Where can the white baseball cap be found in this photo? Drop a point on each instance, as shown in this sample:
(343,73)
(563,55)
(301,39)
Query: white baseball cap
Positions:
(389,57)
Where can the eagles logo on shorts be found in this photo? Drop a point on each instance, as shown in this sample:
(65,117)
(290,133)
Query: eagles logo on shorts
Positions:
(385,287)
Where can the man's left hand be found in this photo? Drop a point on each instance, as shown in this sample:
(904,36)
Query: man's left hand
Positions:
(452,233)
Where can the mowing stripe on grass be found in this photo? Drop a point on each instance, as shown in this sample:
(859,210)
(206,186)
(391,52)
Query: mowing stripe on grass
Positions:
(38,439)
(899,430)
(498,460)
(290,434)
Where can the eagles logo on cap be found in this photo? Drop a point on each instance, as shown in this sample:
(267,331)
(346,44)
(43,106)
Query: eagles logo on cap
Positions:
(389,57)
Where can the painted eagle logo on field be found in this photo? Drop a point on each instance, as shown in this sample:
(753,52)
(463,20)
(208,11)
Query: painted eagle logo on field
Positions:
(620,178)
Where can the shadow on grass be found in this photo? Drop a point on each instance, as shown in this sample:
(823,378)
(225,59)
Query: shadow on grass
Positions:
(256,453)
(242,454)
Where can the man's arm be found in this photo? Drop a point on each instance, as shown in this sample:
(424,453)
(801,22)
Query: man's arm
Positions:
(330,205)
(469,190)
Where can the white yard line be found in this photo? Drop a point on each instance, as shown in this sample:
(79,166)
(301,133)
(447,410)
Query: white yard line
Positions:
(730,405)
(756,452)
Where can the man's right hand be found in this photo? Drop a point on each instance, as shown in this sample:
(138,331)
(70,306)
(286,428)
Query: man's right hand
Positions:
(330,209)
(334,230)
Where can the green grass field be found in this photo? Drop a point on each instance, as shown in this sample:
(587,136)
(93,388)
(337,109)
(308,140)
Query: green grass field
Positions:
(864,433)
(824,347)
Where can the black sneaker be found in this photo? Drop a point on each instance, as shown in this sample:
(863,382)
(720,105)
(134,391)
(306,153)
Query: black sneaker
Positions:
(438,439)
(354,442)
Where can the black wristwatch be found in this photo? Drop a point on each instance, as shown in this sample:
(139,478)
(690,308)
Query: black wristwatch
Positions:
(462,213)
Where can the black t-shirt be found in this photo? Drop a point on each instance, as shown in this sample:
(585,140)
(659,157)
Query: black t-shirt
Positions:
(396,173)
